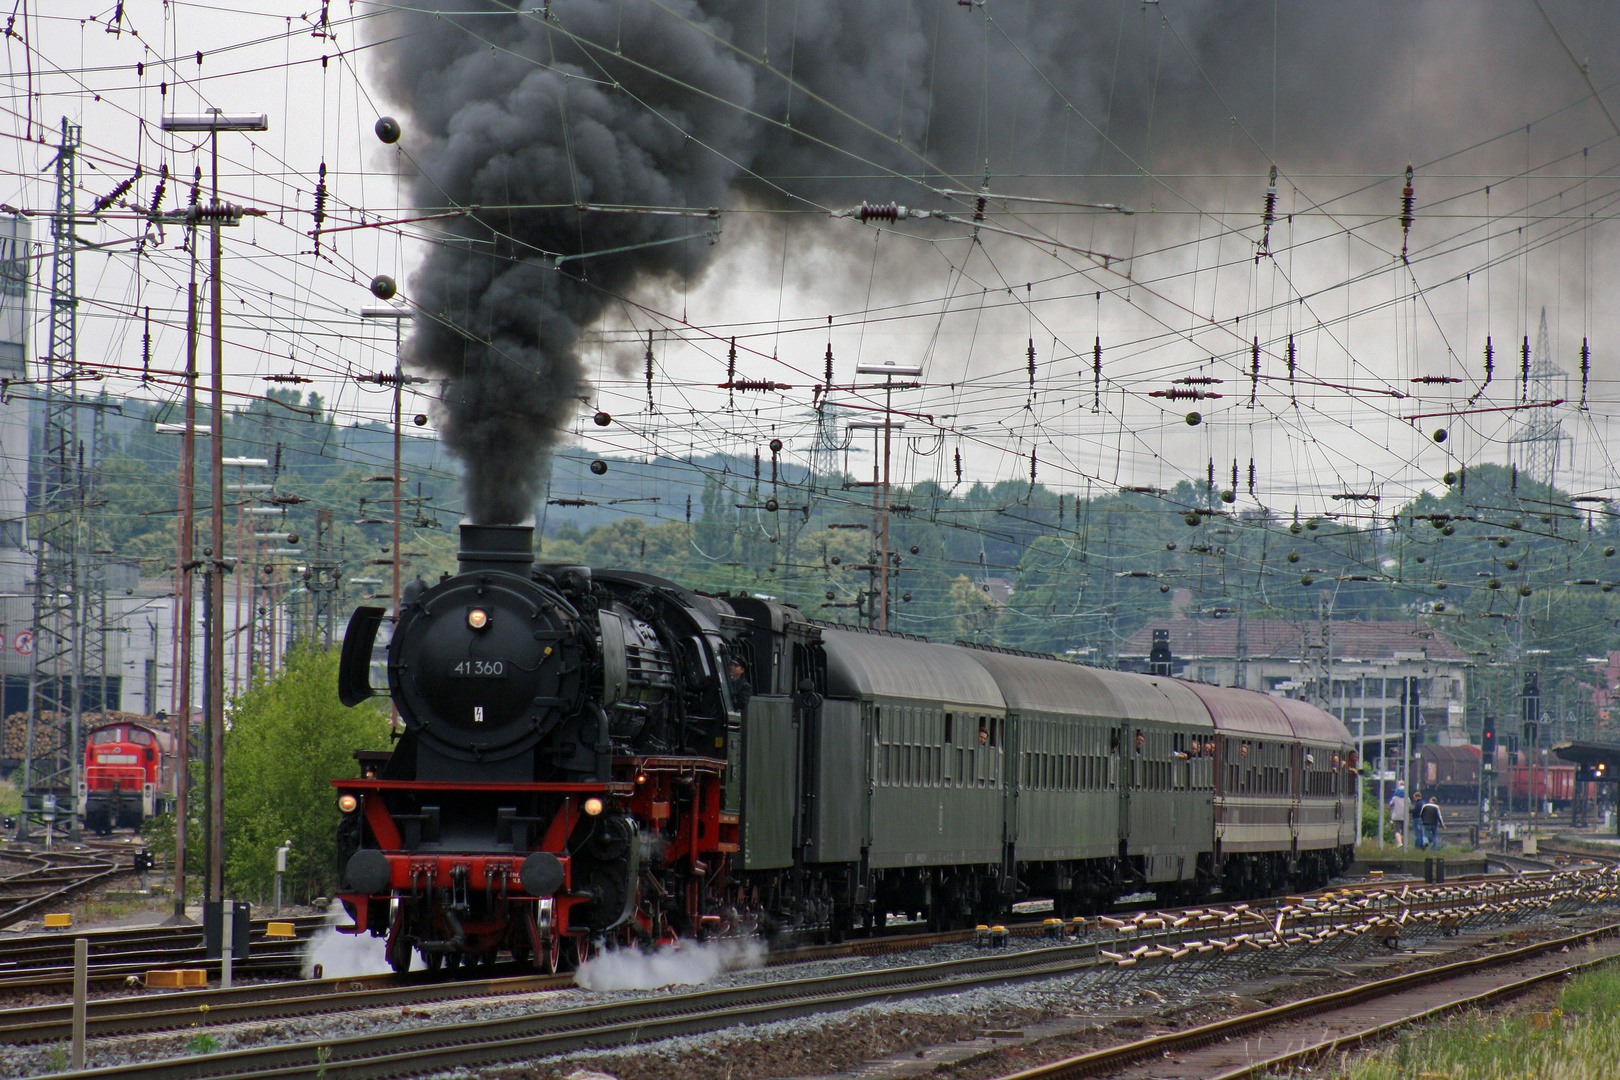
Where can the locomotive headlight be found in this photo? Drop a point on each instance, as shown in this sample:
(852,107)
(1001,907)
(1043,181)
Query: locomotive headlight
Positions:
(593,806)
(348,803)
(477,618)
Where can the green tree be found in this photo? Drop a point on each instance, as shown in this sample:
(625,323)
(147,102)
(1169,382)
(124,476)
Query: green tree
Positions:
(289,736)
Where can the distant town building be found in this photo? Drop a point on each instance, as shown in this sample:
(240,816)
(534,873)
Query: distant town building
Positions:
(1361,672)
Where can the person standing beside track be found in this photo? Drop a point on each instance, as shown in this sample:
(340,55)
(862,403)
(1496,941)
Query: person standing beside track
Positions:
(1429,821)
(1397,814)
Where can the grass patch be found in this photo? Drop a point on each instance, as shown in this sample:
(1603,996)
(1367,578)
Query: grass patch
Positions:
(1369,850)
(93,911)
(1579,1039)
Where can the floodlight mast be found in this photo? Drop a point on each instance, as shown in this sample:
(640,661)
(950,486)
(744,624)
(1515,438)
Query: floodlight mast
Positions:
(888,369)
(212,123)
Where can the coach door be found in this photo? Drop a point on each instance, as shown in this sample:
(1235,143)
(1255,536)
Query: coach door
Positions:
(1296,766)
(1123,761)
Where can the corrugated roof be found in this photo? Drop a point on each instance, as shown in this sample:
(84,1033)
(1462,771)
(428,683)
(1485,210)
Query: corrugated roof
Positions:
(1284,639)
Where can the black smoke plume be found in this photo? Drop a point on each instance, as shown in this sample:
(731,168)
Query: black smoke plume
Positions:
(529,115)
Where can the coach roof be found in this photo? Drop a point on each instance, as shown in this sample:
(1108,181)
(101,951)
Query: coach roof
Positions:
(879,665)
(1048,685)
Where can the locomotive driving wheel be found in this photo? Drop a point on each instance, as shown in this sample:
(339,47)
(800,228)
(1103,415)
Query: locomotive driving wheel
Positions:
(398,947)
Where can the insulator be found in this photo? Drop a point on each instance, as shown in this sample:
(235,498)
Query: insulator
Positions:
(163,186)
(958,466)
(1032,466)
(1290,357)
(689,509)
(756,466)
(214,213)
(1524,368)
(286,379)
(879,212)
(116,193)
(1254,371)
(1270,213)
(649,360)
(146,346)
(1586,369)
(320,202)
(1406,209)
(829,367)
(1176,393)
(1096,375)
(1234,474)
(1436,380)
(1209,485)
(1032,363)
(731,370)
(1490,360)
(1199,380)
(755,385)
(1251,476)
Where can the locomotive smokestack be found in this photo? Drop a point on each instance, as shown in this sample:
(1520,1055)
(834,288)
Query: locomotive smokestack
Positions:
(508,549)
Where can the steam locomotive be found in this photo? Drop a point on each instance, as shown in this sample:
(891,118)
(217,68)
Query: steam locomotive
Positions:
(577,769)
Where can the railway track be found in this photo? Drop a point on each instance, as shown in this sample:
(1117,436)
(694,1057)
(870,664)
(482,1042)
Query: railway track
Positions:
(1347,920)
(52,878)
(1251,1044)
(43,963)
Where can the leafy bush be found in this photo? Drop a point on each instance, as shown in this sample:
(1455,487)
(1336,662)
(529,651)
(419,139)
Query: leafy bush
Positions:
(288,738)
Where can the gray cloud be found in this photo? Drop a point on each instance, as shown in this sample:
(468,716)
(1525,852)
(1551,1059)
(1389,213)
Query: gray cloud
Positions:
(697,103)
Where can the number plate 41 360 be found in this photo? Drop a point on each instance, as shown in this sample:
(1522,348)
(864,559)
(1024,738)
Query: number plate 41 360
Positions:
(479,669)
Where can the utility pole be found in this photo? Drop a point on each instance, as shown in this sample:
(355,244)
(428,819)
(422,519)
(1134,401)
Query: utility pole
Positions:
(218,214)
(185,600)
(889,369)
(398,315)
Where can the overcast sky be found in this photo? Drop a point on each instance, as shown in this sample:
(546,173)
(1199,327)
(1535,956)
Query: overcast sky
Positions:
(1175,111)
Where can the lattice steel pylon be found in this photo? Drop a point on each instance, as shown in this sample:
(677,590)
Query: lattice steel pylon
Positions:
(51,763)
(1534,448)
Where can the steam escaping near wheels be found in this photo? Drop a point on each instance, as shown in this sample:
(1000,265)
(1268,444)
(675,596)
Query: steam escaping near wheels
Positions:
(342,956)
(685,963)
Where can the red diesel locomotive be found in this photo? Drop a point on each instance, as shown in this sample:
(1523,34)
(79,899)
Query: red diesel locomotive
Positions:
(123,775)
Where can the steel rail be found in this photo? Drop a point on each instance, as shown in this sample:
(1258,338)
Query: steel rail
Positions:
(306,997)
(87,870)
(1157,1046)
(25,1025)
(1356,1039)
(559,1031)
(440,1046)
(56,946)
